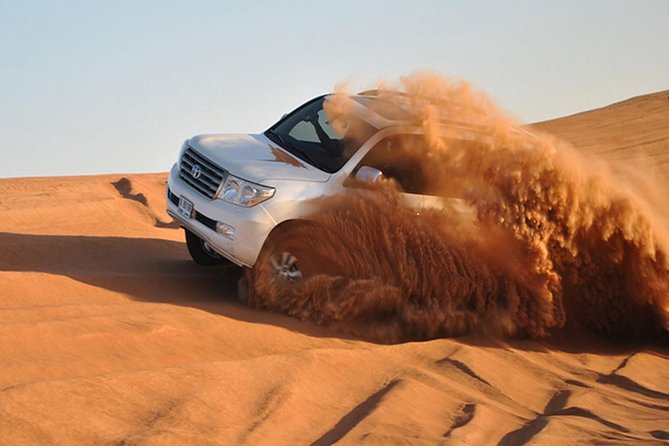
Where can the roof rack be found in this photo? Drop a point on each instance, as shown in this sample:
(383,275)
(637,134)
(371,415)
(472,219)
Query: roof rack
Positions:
(376,92)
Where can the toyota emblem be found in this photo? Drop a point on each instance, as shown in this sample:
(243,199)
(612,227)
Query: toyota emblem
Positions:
(196,171)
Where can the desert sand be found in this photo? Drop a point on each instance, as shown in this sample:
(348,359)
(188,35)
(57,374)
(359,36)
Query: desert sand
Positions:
(111,335)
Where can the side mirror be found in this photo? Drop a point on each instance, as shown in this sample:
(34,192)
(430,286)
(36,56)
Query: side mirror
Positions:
(368,175)
(283,116)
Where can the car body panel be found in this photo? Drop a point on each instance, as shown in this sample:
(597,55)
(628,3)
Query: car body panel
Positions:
(254,158)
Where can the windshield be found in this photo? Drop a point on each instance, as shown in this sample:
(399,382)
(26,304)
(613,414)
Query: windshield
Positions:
(307,134)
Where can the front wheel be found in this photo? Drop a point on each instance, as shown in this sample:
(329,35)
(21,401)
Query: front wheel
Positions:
(201,252)
(291,255)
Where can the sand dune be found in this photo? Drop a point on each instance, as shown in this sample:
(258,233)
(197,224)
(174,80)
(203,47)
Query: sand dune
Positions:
(111,335)
(626,131)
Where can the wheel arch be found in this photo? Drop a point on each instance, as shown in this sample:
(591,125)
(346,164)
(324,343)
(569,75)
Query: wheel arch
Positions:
(286,225)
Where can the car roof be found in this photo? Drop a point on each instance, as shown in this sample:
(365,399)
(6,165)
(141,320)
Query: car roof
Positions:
(391,108)
(383,109)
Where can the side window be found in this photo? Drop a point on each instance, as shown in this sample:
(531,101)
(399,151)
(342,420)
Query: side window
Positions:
(401,158)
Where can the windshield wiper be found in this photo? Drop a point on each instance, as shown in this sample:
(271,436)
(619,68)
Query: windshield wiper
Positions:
(281,139)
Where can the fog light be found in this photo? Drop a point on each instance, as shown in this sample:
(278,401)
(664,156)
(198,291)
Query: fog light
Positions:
(225,230)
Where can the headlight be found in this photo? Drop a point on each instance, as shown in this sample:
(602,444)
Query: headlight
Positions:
(244,193)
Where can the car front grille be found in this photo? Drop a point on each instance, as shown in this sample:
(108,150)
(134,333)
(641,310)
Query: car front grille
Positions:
(201,174)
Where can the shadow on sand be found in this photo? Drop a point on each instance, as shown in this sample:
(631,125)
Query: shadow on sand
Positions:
(147,269)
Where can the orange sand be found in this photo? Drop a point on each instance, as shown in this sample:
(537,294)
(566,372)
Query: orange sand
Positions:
(111,335)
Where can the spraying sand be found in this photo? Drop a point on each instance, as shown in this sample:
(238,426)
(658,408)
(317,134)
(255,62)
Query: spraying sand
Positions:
(559,238)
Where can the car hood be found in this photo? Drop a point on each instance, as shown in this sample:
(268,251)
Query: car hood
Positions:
(254,158)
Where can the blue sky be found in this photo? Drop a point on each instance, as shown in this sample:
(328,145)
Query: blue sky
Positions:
(99,87)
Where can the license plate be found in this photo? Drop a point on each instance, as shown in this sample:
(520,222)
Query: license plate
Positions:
(185,207)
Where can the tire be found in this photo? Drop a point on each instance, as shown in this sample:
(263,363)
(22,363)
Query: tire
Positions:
(244,290)
(295,253)
(201,253)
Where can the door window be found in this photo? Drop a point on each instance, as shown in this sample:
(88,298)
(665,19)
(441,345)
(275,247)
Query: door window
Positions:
(402,158)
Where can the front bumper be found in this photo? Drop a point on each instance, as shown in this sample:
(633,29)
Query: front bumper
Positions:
(252,225)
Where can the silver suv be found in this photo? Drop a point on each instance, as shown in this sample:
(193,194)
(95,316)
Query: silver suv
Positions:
(234,194)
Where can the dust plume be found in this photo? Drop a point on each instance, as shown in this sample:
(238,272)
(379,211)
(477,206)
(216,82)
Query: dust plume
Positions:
(547,237)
